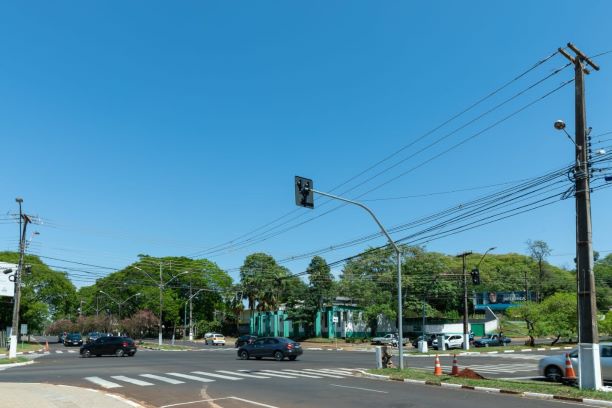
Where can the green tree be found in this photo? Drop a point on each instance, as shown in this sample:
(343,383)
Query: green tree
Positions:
(559,316)
(263,281)
(531,314)
(539,251)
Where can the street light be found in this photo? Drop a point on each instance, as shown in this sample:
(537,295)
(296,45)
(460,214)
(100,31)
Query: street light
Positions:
(162,286)
(190,314)
(119,303)
(485,254)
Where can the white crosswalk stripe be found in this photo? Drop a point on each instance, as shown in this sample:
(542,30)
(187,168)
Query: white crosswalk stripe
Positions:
(318,373)
(163,379)
(337,371)
(292,373)
(59,351)
(272,374)
(131,380)
(225,377)
(242,374)
(103,383)
(72,351)
(190,377)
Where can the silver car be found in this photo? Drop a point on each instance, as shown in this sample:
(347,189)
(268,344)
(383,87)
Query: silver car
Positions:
(553,367)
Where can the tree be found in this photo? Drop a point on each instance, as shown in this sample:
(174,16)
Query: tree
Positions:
(321,280)
(531,314)
(559,316)
(539,251)
(263,281)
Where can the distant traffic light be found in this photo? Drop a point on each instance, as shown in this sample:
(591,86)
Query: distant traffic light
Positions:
(475,276)
(304,197)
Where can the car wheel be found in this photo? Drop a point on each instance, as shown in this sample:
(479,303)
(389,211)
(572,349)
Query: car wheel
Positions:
(279,356)
(119,353)
(86,353)
(244,355)
(553,373)
(292,358)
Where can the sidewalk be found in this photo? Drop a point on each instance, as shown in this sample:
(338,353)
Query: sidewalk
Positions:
(28,395)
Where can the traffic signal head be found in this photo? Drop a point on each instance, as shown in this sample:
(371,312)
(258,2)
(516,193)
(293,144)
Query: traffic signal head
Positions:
(304,197)
(475,276)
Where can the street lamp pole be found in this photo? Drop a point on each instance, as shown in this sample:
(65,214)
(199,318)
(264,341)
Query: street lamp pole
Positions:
(466,333)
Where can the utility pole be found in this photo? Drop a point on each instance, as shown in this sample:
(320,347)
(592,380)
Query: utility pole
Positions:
(466,331)
(161,302)
(190,313)
(588,336)
(17,295)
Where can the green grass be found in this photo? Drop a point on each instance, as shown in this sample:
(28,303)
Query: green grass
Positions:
(13,360)
(514,386)
(29,347)
(165,347)
(322,340)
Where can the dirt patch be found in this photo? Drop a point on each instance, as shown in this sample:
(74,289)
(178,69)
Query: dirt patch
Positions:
(467,373)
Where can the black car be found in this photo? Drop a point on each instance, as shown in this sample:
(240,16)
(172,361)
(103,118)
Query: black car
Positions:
(247,338)
(276,347)
(109,345)
(73,339)
(93,336)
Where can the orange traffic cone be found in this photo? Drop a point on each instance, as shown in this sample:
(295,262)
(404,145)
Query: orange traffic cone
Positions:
(455,370)
(47,346)
(437,367)
(570,374)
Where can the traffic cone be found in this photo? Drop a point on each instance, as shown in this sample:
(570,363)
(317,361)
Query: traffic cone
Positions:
(570,374)
(455,370)
(47,346)
(437,367)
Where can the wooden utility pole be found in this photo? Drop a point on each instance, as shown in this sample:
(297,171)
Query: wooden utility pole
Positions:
(588,336)
(466,329)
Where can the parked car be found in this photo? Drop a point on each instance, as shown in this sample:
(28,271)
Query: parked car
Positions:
(553,367)
(109,345)
(247,338)
(450,341)
(275,347)
(73,339)
(215,339)
(492,340)
(93,336)
(389,339)
(428,338)
(61,337)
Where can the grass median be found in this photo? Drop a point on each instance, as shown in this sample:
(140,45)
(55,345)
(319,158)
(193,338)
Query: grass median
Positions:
(13,360)
(165,347)
(518,386)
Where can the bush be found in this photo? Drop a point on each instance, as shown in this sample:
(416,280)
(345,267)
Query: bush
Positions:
(204,327)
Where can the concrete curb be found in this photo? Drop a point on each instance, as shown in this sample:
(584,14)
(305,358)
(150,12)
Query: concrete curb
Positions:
(535,395)
(21,353)
(5,366)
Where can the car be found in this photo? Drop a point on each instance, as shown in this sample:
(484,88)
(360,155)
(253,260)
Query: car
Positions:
(73,339)
(215,339)
(389,339)
(275,347)
(450,341)
(553,367)
(93,336)
(492,340)
(109,345)
(247,338)
(428,338)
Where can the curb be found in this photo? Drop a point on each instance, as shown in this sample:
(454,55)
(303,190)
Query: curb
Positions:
(535,395)
(108,394)
(21,353)
(5,366)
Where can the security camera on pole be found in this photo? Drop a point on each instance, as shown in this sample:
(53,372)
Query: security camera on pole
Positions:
(304,197)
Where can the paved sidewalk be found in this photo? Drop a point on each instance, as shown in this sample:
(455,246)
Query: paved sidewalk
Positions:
(28,395)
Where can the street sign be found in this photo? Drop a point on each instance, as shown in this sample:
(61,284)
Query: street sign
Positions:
(7,284)
(24,329)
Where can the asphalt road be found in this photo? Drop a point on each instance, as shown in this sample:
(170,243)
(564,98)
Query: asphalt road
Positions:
(215,377)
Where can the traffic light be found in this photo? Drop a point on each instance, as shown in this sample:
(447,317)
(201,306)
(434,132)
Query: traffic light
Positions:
(475,276)
(304,197)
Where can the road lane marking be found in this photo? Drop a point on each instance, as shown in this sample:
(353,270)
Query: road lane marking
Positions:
(164,379)
(359,388)
(336,371)
(59,351)
(253,402)
(225,377)
(242,374)
(318,372)
(103,383)
(131,380)
(190,377)
(220,399)
(291,372)
(272,374)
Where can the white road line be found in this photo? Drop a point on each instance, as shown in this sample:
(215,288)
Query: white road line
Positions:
(225,377)
(319,372)
(59,351)
(337,371)
(291,373)
(164,379)
(190,377)
(72,351)
(131,380)
(259,404)
(242,374)
(103,383)
(274,375)
(358,388)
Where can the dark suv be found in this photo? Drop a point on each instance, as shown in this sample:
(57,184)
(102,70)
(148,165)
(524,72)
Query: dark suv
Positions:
(109,345)
(73,339)
(276,347)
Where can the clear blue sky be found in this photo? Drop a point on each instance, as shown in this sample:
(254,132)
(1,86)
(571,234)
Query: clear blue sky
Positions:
(167,128)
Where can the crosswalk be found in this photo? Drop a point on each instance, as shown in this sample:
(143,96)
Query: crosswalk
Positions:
(147,379)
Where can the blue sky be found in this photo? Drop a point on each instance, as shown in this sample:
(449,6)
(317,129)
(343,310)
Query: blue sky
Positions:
(167,128)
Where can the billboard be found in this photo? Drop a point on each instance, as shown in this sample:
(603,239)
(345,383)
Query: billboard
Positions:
(7,286)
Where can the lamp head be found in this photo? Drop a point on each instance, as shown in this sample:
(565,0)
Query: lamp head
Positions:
(559,124)
(19,200)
